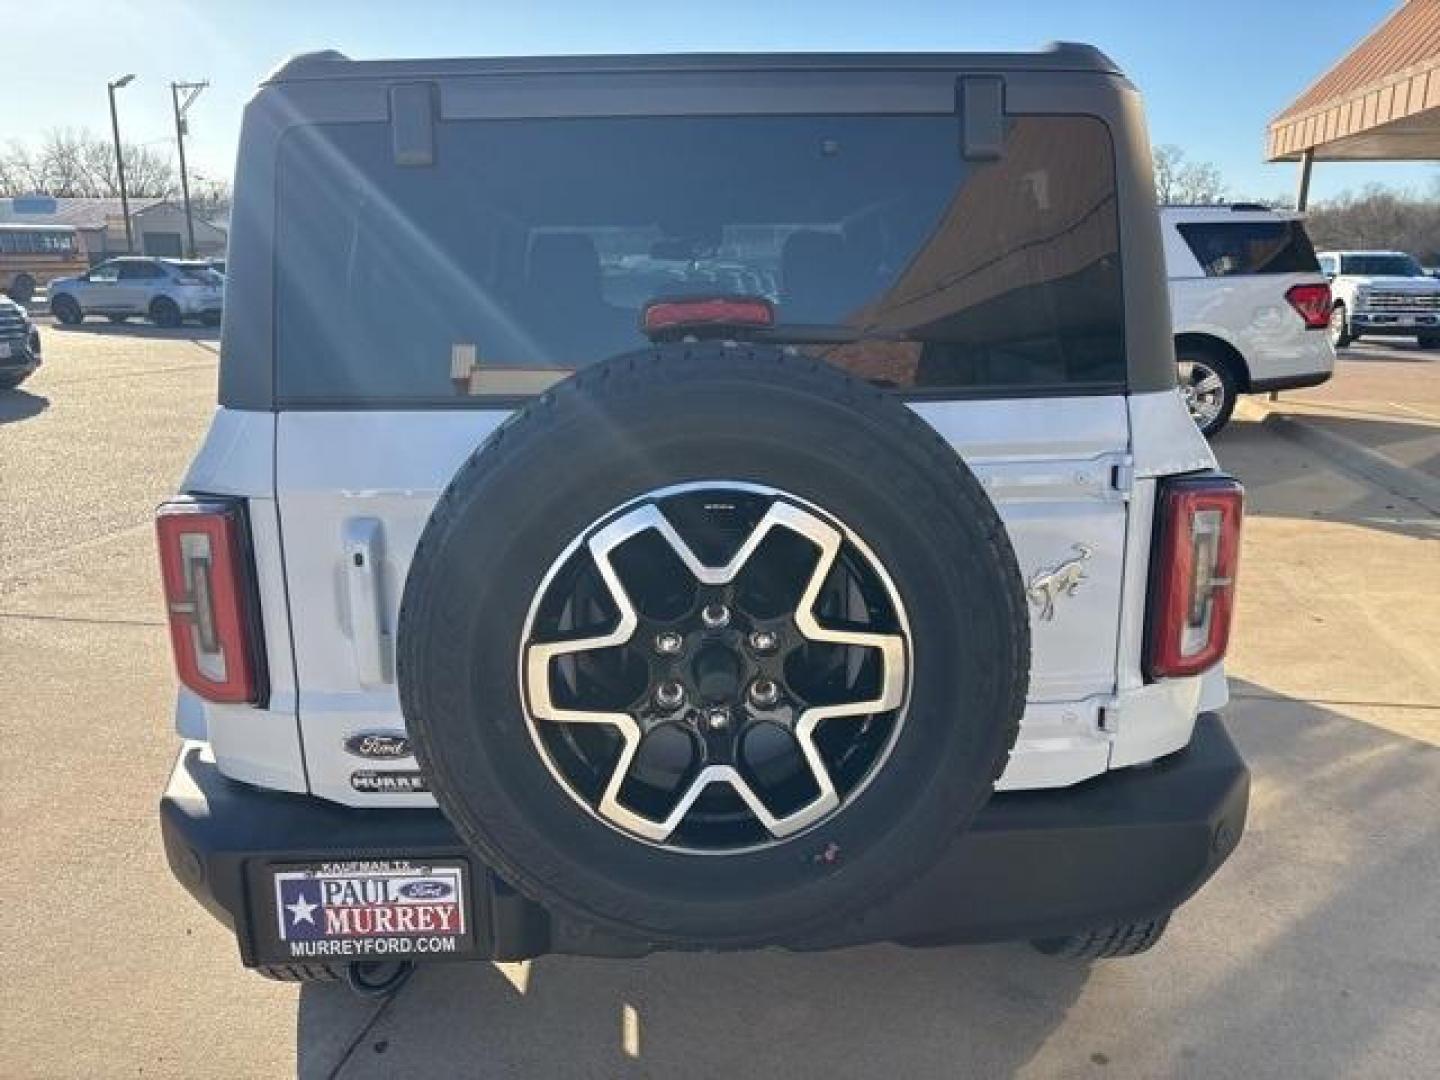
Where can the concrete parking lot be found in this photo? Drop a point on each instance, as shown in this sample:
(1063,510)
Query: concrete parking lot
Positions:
(1315,952)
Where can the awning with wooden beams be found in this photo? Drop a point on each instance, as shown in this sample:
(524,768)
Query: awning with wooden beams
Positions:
(1380,103)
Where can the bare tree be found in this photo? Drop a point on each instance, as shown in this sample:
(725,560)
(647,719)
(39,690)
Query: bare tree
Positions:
(149,173)
(80,164)
(18,173)
(210,197)
(1379,218)
(62,156)
(1167,161)
(1178,180)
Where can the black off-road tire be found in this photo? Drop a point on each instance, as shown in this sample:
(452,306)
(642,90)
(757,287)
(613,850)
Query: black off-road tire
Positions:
(642,422)
(67,310)
(1126,939)
(165,312)
(302,973)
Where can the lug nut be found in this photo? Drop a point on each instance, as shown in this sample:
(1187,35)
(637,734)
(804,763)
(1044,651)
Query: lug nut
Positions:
(717,718)
(668,643)
(764,641)
(670,695)
(764,693)
(714,616)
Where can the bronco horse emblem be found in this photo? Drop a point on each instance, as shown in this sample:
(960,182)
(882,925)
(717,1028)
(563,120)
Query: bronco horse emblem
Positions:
(1046,586)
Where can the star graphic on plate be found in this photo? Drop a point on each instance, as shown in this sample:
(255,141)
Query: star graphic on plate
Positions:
(302,911)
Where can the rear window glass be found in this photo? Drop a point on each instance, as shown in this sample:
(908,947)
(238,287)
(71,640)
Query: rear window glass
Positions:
(530,248)
(1251,247)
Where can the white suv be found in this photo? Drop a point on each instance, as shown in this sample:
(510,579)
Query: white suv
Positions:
(1249,304)
(1384,293)
(588,606)
(166,291)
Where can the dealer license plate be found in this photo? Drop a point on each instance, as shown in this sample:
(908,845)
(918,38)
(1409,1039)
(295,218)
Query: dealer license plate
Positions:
(366,910)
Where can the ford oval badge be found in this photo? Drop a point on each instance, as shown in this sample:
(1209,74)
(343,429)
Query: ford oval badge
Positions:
(378,746)
(429,889)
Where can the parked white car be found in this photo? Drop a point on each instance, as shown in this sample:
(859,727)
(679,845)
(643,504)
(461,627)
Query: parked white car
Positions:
(1249,303)
(1384,293)
(166,291)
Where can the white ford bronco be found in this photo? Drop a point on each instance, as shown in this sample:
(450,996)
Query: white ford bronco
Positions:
(697,502)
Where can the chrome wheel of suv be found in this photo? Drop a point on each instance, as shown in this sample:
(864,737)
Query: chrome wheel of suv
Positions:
(1205,392)
(715,667)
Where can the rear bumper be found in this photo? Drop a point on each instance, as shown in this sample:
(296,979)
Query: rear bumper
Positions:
(200,305)
(1127,846)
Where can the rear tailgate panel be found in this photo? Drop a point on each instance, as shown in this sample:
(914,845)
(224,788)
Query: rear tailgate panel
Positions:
(1051,466)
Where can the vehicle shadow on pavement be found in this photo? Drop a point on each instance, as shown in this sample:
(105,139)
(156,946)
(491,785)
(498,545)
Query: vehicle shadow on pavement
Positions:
(1413,443)
(867,1011)
(21,405)
(1299,485)
(184,332)
(1318,955)
(1313,952)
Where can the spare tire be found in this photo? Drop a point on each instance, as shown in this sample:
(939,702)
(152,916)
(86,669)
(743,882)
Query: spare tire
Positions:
(712,646)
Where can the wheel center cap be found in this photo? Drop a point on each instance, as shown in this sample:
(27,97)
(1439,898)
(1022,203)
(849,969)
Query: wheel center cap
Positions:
(718,673)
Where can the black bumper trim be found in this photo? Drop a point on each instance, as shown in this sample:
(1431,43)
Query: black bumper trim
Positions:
(1374,329)
(1128,845)
(1290,382)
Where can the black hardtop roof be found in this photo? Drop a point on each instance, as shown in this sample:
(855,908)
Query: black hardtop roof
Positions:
(1057,56)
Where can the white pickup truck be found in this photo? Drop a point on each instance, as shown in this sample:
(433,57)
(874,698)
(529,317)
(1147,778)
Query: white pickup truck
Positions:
(1381,293)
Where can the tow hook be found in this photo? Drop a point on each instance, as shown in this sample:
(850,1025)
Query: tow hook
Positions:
(378,979)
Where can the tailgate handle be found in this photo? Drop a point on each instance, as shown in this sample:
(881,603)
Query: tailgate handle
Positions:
(364,552)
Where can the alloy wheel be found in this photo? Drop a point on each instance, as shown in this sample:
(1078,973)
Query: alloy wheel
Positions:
(715,667)
(1203,390)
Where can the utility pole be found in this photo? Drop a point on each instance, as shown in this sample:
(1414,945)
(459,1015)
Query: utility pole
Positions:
(119,84)
(191,92)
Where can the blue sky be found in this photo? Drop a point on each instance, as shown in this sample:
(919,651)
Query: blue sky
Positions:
(1212,73)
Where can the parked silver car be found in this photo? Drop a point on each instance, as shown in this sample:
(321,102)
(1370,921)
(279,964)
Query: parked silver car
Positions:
(166,291)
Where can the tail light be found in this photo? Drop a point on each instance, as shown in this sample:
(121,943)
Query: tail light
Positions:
(1312,302)
(210,598)
(1192,594)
